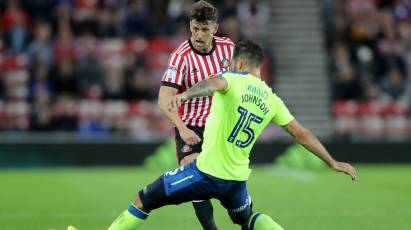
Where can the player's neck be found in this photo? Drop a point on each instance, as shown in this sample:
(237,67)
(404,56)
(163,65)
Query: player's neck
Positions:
(206,50)
(253,71)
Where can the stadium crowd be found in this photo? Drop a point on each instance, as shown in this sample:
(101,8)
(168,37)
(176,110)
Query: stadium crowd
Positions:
(370,50)
(95,66)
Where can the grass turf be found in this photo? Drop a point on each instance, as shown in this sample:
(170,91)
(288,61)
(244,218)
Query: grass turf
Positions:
(90,198)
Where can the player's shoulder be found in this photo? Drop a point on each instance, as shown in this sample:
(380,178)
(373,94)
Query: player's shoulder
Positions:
(223,41)
(273,95)
(181,49)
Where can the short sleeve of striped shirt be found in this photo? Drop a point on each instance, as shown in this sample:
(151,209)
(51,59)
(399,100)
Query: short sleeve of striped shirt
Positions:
(175,73)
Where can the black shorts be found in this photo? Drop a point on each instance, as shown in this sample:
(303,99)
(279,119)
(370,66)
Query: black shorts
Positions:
(182,149)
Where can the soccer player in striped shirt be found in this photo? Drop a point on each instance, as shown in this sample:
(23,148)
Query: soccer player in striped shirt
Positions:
(244,105)
(192,61)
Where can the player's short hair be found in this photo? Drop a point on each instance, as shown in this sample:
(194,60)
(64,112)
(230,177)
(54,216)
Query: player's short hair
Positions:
(203,11)
(252,52)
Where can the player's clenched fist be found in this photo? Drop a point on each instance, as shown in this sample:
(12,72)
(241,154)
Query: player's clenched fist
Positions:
(189,136)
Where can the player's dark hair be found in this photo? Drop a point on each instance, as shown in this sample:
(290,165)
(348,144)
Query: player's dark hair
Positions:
(202,11)
(250,51)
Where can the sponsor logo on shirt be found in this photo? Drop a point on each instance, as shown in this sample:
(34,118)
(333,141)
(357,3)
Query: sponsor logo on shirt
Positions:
(172,71)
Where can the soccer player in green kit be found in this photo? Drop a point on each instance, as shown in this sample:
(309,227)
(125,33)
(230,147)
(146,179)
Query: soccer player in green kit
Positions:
(243,105)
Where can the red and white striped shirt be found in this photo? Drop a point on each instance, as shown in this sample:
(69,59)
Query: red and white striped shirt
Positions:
(187,66)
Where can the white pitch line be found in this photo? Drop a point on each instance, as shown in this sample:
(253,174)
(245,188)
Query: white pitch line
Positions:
(296,174)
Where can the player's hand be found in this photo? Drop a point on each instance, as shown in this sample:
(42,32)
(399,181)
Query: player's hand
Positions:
(189,136)
(175,102)
(345,168)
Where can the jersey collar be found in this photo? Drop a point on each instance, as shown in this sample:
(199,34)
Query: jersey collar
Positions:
(203,54)
(241,73)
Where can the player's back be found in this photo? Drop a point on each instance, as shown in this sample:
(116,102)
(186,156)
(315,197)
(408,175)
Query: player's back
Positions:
(237,117)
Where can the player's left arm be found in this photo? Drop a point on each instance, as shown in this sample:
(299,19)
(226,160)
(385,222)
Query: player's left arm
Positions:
(203,88)
(306,138)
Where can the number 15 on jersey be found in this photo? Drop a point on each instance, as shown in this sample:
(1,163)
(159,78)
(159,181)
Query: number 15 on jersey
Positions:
(245,128)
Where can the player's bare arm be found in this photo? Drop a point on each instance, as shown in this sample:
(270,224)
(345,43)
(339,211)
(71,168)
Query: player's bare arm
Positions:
(164,98)
(201,89)
(306,138)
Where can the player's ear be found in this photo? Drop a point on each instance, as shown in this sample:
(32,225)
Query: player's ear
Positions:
(215,28)
(241,64)
(191,25)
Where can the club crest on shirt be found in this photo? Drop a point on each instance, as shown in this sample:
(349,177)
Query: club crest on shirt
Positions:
(186,149)
(225,63)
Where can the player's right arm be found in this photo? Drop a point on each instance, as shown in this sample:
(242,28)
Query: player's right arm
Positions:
(171,83)
(307,139)
(165,95)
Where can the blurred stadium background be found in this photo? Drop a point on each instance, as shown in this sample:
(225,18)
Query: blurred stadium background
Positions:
(79,82)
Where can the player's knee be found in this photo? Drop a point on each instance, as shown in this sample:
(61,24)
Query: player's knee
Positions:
(152,196)
(241,218)
(137,202)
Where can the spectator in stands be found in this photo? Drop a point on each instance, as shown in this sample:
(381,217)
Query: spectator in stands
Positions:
(231,27)
(62,15)
(14,26)
(114,83)
(63,77)
(393,84)
(340,55)
(402,10)
(1,89)
(347,85)
(159,18)
(229,9)
(340,23)
(138,86)
(391,52)
(91,119)
(17,116)
(179,10)
(64,43)
(41,115)
(138,20)
(39,80)
(253,16)
(41,49)
(109,26)
(41,121)
(89,70)
(65,114)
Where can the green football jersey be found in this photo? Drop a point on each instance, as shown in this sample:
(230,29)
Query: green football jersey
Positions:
(237,117)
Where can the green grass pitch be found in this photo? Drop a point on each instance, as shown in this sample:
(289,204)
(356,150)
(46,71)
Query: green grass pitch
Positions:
(90,198)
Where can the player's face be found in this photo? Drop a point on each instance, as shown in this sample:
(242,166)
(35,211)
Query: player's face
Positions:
(202,34)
